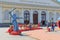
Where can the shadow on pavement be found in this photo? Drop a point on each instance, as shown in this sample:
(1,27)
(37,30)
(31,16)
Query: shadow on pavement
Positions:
(23,35)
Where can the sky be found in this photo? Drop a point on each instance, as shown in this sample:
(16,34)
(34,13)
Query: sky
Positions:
(58,0)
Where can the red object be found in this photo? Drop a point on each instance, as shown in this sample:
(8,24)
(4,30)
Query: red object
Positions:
(9,30)
(48,29)
(38,25)
(58,23)
(15,33)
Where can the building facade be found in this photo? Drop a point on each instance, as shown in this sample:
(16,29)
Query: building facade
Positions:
(32,11)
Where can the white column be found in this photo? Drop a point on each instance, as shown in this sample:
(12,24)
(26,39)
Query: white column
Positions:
(22,20)
(31,16)
(54,16)
(47,16)
(1,15)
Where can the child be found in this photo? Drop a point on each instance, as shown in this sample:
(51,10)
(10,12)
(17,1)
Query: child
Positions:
(48,29)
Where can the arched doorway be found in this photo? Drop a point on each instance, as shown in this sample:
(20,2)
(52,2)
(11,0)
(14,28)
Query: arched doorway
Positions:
(43,17)
(35,17)
(26,17)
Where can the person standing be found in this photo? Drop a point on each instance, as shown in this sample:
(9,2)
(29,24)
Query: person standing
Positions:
(53,26)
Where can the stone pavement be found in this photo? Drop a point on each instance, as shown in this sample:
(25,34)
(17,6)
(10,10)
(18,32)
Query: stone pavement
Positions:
(44,34)
(6,36)
(41,34)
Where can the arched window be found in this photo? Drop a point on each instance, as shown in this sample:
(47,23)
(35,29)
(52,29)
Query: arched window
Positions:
(43,18)
(35,12)
(26,17)
(43,15)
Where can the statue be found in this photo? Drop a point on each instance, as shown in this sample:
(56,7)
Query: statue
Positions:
(14,22)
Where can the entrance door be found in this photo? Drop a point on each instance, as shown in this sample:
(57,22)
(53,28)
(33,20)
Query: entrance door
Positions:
(43,18)
(26,17)
(35,17)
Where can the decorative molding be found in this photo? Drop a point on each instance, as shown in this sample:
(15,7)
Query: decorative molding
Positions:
(36,2)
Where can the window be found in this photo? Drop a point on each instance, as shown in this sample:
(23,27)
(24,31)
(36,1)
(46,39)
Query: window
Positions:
(6,15)
(35,12)
(26,15)
(43,15)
